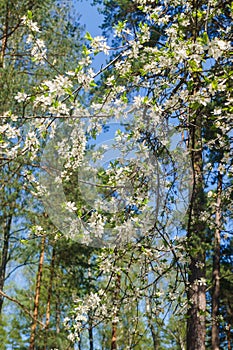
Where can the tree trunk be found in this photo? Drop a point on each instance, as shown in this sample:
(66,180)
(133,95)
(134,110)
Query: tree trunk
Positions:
(90,329)
(154,334)
(4,37)
(80,343)
(58,313)
(114,336)
(114,322)
(37,295)
(90,333)
(229,325)
(216,269)
(229,337)
(196,290)
(4,254)
(50,289)
(48,307)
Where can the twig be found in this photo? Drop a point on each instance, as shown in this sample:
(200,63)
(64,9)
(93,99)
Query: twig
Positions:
(22,307)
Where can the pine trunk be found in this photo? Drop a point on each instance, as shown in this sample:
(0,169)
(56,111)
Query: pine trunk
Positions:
(90,331)
(151,325)
(4,254)
(216,270)
(4,37)
(229,337)
(48,307)
(37,295)
(58,313)
(6,220)
(196,289)
(114,323)
(50,289)
(196,293)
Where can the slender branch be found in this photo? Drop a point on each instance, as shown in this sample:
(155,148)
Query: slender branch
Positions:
(4,295)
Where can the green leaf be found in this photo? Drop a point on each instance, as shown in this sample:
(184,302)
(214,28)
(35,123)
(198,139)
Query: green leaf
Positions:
(120,25)
(24,241)
(205,38)
(88,36)
(92,84)
(85,50)
(194,66)
(124,97)
(29,14)
(214,84)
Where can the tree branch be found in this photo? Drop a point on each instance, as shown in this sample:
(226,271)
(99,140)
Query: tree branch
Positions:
(22,307)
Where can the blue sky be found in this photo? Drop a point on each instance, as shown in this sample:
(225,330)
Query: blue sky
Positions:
(91,19)
(90,16)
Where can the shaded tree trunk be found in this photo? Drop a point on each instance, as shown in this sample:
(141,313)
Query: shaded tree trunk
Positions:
(229,337)
(154,334)
(6,220)
(114,336)
(196,230)
(37,295)
(50,289)
(90,333)
(58,313)
(4,254)
(80,343)
(4,37)
(216,269)
(90,329)
(229,325)
(48,307)
(196,289)
(114,323)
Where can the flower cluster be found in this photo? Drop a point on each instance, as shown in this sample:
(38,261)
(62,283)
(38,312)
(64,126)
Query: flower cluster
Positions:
(37,45)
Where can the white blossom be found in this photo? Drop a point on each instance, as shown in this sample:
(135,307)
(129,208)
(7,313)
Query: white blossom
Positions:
(33,26)
(70,206)
(21,97)
(217,47)
(99,44)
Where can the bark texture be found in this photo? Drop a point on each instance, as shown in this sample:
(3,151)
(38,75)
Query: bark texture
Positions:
(196,329)
(114,323)
(4,254)
(216,270)
(37,295)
